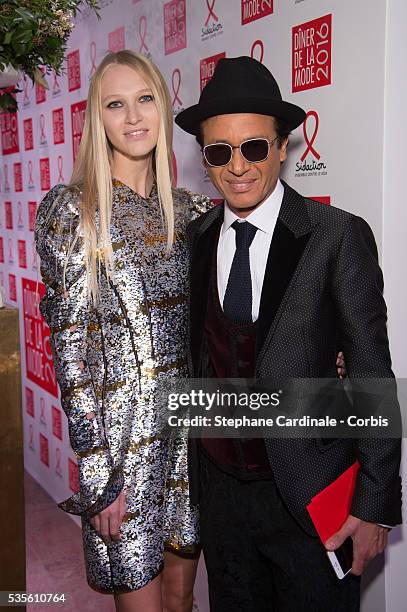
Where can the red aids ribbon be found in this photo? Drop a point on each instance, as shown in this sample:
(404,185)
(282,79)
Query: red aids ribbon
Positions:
(92,54)
(142,28)
(30,174)
(34,264)
(56,86)
(60,167)
(58,469)
(257,43)
(20,221)
(42,128)
(42,414)
(176,75)
(25,88)
(211,12)
(309,141)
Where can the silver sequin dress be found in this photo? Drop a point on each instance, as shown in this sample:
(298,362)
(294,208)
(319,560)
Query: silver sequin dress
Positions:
(129,343)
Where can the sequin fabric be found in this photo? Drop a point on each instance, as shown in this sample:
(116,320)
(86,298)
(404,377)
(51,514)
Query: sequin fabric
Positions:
(110,361)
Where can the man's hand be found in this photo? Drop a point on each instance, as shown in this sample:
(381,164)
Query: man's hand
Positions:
(369,540)
(107,523)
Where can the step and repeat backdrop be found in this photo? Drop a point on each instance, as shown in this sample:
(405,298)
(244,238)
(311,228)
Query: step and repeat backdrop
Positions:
(327,56)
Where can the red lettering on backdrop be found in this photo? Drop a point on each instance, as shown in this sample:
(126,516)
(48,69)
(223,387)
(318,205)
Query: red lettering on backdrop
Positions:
(311,54)
(8,211)
(32,212)
(29,401)
(12,287)
(44,450)
(255,9)
(39,364)
(77,120)
(1,250)
(58,125)
(74,70)
(22,253)
(175,26)
(56,423)
(73,476)
(207,67)
(28,134)
(45,176)
(9,133)
(116,40)
(18,176)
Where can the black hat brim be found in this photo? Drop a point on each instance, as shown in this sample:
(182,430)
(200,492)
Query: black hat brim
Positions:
(191,118)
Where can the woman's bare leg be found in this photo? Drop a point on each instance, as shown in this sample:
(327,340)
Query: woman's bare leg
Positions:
(177,583)
(146,599)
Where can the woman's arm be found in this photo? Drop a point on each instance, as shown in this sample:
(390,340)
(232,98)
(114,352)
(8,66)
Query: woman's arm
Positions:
(68,312)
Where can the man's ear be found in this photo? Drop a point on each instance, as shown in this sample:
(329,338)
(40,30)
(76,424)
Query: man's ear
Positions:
(283,150)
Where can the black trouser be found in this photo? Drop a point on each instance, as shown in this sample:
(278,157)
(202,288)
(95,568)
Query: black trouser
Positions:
(258,558)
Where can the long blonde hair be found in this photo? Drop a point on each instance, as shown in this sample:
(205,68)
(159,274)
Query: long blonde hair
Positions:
(92,168)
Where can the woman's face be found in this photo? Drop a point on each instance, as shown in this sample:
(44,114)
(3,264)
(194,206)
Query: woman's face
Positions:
(130,116)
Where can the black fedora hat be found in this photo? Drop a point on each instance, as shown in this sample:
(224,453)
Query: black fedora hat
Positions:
(240,85)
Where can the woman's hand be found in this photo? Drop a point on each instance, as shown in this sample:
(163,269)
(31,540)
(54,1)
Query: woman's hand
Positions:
(107,523)
(341,365)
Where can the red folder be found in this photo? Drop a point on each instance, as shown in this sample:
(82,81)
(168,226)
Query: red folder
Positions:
(330,508)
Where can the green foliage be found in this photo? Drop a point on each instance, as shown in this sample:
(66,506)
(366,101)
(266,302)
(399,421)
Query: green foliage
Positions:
(35,33)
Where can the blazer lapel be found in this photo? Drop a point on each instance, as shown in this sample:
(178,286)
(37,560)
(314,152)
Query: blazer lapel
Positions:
(290,239)
(204,243)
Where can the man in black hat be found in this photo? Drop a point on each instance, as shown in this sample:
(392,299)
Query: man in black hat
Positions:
(279,283)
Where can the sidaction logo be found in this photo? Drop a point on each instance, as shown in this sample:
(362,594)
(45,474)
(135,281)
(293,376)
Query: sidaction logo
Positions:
(212,27)
(310,163)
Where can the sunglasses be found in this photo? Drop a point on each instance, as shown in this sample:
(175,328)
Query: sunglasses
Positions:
(253,150)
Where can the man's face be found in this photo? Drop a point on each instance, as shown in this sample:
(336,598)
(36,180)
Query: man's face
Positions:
(244,185)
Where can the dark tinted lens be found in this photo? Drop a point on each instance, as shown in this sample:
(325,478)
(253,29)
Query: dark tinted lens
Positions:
(217,154)
(255,150)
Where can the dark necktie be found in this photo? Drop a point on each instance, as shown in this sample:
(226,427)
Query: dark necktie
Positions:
(237,303)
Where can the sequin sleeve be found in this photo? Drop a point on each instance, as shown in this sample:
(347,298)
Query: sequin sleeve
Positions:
(200,204)
(197,204)
(68,313)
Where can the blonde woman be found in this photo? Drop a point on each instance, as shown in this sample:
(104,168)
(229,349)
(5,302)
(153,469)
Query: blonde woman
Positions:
(114,262)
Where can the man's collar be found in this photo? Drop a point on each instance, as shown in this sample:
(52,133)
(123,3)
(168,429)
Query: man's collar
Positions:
(264,216)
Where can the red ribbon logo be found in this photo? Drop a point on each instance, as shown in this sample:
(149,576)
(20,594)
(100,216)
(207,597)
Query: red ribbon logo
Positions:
(211,12)
(310,141)
(34,265)
(42,415)
(142,28)
(43,138)
(92,53)
(60,167)
(31,442)
(30,174)
(25,88)
(56,86)
(58,468)
(176,76)
(260,45)
(20,221)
